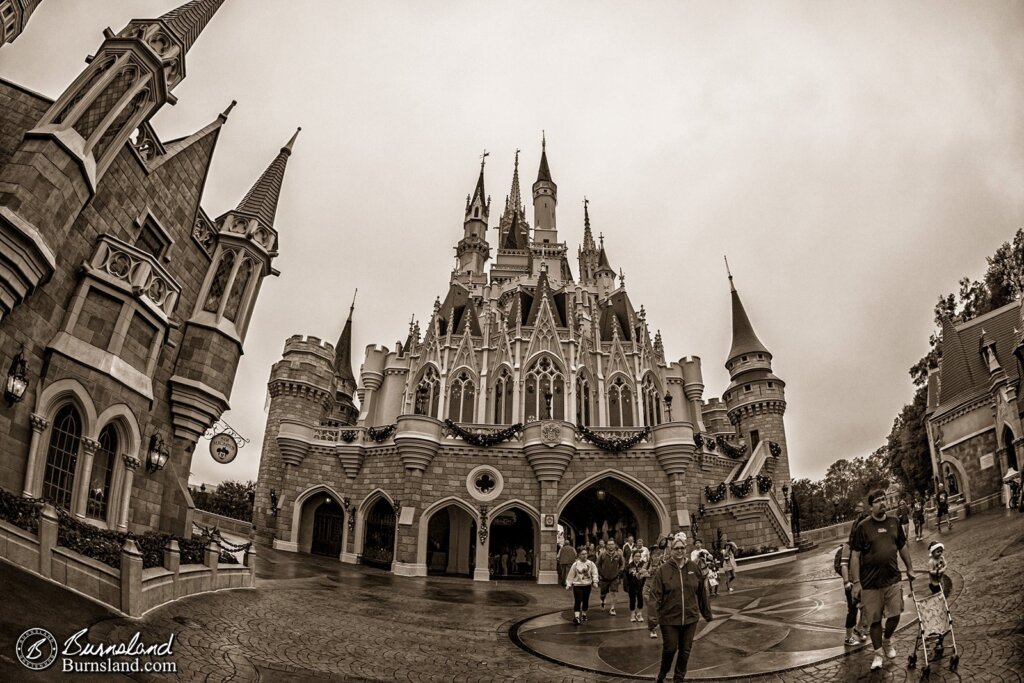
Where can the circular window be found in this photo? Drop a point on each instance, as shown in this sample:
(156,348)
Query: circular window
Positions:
(485,483)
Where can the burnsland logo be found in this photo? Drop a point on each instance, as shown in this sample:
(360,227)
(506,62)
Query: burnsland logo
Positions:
(37,649)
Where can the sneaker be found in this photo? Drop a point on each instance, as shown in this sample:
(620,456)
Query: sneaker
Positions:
(730,589)
(602,603)
(654,634)
(576,620)
(584,616)
(876,663)
(889,650)
(612,611)
(852,640)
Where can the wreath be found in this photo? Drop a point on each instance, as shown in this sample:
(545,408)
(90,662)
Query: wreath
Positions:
(613,444)
(348,435)
(698,439)
(742,489)
(764,483)
(729,449)
(775,449)
(381,434)
(484,439)
(715,495)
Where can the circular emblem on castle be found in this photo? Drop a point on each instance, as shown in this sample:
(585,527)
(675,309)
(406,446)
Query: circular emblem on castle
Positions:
(550,434)
(223,448)
(484,483)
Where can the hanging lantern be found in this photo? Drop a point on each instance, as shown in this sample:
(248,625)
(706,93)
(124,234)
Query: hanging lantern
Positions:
(17,380)
(601,494)
(158,453)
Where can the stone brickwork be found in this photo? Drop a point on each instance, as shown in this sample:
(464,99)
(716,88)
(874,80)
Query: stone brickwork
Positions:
(969,454)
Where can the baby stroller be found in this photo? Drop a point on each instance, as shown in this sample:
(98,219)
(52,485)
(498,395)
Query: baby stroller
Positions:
(933,621)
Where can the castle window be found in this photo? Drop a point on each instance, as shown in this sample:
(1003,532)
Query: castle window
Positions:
(427,393)
(62,457)
(747,388)
(238,289)
(123,120)
(760,356)
(620,404)
(102,474)
(771,385)
(84,89)
(755,438)
(460,398)
(743,359)
(152,238)
(545,392)
(503,398)
(220,282)
(9,21)
(106,100)
(652,402)
(583,416)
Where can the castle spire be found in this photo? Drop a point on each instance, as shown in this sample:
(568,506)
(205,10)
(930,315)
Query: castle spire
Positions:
(189,20)
(543,173)
(588,236)
(515,199)
(343,349)
(545,199)
(744,340)
(261,200)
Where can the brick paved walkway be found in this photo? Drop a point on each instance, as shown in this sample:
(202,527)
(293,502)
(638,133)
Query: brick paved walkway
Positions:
(315,619)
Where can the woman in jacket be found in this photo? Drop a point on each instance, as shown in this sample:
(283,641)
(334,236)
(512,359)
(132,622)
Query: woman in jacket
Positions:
(581,580)
(634,579)
(678,595)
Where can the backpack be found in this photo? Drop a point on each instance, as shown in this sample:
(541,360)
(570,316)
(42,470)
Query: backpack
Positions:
(837,562)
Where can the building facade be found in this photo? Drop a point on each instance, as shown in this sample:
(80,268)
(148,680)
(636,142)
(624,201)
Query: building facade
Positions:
(531,406)
(14,14)
(974,407)
(123,304)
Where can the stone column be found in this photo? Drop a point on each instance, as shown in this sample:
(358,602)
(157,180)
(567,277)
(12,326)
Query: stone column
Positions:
(418,438)
(131,578)
(39,425)
(48,522)
(89,447)
(131,464)
(482,572)
(549,448)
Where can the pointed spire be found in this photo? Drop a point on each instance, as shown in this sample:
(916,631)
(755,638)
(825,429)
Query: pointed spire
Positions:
(602,258)
(343,349)
(261,200)
(732,288)
(515,199)
(744,340)
(543,173)
(227,111)
(189,20)
(588,236)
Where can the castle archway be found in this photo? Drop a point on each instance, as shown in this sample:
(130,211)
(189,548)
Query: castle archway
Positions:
(513,542)
(379,534)
(610,507)
(327,529)
(450,541)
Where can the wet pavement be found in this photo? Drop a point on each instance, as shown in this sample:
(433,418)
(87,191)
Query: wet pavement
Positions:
(312,618)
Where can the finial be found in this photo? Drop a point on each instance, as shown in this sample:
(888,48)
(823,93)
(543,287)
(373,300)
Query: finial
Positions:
(353,306)
(622,277)
(729,272)
(517,158)
(600,236)
(483,159)
(543,140)
(228,110)
(292,141)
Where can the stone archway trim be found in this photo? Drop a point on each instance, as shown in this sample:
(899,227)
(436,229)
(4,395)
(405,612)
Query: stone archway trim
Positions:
(360,512)
(961,474)
(450,501)
(300,501)
(645,492)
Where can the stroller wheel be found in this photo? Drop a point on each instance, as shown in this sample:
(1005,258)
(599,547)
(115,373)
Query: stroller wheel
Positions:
(911,661)
(954,662)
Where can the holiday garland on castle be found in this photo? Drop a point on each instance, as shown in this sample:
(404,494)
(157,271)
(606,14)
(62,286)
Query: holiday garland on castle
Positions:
(613,444)
(729,449)
(764,483)
(348,435)
(775,449)
(715,495)
(698,439)
(381,434)
(742,489)
(484,439)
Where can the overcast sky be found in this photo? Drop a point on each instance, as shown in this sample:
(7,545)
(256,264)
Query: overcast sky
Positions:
(854,160)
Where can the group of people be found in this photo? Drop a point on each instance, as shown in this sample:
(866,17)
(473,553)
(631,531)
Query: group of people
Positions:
(674,585)
(871,576)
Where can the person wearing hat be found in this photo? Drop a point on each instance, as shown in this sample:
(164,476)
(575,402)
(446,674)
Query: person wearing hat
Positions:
(679,598)
(936,566)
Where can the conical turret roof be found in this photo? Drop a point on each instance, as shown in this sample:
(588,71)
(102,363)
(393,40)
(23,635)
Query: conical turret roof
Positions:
(261,200)
(343,349)
(744,340)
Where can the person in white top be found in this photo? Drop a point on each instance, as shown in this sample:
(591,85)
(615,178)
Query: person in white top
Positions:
(581,580)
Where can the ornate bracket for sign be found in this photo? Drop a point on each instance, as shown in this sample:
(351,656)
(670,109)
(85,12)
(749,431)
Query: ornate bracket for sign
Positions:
(222,427)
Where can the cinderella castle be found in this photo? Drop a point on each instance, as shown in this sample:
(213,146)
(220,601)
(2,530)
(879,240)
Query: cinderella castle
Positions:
(533,407)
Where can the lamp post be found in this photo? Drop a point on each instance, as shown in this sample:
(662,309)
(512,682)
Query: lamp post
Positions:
(158,454)
(785,496)
(668,407)
(17,379)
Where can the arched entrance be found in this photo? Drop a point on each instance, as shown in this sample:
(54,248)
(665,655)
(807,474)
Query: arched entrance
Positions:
(379,535)
(450,547)
(512,544)
(328,524)
(952,481)
(609,509)
(1011,451)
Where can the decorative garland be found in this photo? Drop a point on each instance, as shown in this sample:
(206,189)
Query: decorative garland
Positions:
(613,445)
(764,483)
(729,449)
(348,435)
(381,434)
(485,439)
(742,489)
(775,449)
(698,439)
(710,443)
(715,495)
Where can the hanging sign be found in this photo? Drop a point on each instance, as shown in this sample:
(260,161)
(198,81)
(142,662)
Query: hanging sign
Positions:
(223,448)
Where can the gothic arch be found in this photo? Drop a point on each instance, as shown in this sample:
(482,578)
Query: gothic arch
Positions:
(301,499)
(450,501)
(515,503)
(961,473)
(368,502)
(123,420)
(645,491)
(50,400)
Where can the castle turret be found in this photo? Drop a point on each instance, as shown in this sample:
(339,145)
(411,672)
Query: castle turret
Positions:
(14,15)
(545,199)
(588,254)
(473,251)
(344,411)
(604,274)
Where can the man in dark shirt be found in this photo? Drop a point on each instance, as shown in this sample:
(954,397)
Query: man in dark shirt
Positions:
(942,508)
(876,574)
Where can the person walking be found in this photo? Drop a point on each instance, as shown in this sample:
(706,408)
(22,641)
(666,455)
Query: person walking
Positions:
(634,579)
(877,541)
(659,553)
(903,515)
(729,550)
(678,595)
(581,579)
(566,556)
(918,515)
(610,567)
(854,636)
(942,509)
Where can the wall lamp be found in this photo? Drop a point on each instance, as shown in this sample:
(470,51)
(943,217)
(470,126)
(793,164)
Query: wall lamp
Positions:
(158,454)
(17,380)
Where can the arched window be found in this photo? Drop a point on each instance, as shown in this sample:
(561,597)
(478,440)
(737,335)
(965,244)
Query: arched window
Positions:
(620,404)
(62,457)
(102,474)
(220,282)
(1011,451)
(460,398)
(652,402)
(106,100)
(123,120)
(238,290)
(582,400)
(428,392)
(503,398)
(545,392)
(84,90)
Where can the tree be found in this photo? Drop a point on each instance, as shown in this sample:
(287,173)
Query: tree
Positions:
(232,499)
(907,443)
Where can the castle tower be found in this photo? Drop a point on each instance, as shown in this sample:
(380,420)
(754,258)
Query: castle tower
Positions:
(57,165)
(14,14)
(604,274)
(513,235)
(473,251)
(588,255)
(545,199)
(755,399)
(344,411)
